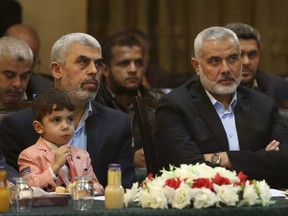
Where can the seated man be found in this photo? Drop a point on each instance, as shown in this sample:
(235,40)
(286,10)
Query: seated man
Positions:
(216,121)
(76,65)
(37,81)
(121,81)
(267,83)
(155,76)
(16,59)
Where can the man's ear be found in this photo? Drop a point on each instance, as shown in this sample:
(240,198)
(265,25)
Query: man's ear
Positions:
(195,65)
(55,70)
(38,127)
(106,71)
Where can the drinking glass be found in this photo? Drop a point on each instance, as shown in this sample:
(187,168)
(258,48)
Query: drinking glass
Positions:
(83,194)
(21,195)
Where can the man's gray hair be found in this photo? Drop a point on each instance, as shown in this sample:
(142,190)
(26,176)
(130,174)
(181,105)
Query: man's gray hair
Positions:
(16,49)
(62,46)
(212,34)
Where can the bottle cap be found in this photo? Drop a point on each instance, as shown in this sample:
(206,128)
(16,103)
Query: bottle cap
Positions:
(116,165)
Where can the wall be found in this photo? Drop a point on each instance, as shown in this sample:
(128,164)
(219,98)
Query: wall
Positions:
(52,19)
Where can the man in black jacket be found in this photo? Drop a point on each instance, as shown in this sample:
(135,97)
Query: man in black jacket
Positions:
(122,80)
(267,83)
(213,120)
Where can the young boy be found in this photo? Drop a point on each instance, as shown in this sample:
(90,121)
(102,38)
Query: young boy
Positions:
(46,163)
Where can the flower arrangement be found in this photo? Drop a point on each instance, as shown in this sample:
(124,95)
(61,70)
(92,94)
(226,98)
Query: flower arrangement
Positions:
(198,186)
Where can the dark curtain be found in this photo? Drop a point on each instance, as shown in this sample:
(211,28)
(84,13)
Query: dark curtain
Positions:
(171,26)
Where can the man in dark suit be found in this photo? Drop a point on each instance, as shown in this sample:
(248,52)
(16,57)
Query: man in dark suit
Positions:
(105,133)
(216,121)
(267,83)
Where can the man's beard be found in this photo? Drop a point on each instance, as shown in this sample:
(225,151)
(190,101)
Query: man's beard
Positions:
(80,96)
(215,87)
(120,89)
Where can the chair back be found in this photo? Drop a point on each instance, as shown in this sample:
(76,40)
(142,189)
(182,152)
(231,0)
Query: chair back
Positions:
(283,109)
(145,115)
(8,107)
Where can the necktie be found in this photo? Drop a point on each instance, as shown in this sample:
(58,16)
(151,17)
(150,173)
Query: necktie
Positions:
(72,169)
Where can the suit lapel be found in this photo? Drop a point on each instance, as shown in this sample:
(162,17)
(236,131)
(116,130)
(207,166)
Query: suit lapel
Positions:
(207,111)
(43,147)
(243,116)
(93,134)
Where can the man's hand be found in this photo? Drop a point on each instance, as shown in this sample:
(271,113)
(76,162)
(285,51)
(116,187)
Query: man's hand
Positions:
(273,145)
(139,159)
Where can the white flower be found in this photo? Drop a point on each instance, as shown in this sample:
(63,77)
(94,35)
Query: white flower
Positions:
(152,199)
(264,192)
(203,198)
(249,195)
(227,194)
(131,194)
(198,186)
(182,197)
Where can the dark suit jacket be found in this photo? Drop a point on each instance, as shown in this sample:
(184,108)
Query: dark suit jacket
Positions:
(187,126)
(11,172)
(272,85)
(38,82)
(108,140)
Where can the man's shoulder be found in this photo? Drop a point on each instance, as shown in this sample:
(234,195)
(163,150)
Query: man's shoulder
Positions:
(187,89)
(150,92)
(253,95)
(106,111)
(271,78)
(24,115)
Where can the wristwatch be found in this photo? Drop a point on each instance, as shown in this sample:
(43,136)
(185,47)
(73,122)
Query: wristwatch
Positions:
(216,158)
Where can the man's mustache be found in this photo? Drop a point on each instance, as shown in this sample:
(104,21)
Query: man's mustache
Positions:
(15,90)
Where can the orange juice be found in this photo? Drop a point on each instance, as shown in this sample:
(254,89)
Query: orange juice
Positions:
(4,199)
(114,197)
(4,191)
(114,192)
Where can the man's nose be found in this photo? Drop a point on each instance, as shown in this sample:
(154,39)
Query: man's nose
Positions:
(225,66)
(93,68)
(17,82)
(245,59)
(133,67)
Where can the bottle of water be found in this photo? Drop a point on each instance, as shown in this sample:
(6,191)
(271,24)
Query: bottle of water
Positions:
(114,192)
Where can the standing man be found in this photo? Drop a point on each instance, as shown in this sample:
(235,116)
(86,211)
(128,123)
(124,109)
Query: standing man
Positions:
(216,121)
(252,77)
(122,80)
(76,65)
(16,60)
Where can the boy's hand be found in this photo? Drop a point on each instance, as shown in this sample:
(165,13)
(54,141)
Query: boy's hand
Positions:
(60,156)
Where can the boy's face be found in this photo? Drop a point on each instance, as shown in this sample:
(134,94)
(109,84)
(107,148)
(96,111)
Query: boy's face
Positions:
(57,127)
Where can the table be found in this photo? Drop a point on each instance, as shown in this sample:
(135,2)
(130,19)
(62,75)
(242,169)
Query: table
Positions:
(279,208)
